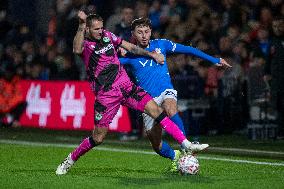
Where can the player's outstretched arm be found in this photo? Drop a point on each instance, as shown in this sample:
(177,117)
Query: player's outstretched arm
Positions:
(139,51)
(79,37)
(178,48)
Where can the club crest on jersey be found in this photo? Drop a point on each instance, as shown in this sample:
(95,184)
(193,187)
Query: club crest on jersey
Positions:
(98,116)
(106,39)
(158,50)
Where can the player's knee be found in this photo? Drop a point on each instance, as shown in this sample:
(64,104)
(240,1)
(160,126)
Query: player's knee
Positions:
(98,139)
(171,112)
(99,135)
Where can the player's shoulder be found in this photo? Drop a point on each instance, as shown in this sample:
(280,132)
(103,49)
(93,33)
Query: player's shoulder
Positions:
(164,42)
(111,35)
(160,42)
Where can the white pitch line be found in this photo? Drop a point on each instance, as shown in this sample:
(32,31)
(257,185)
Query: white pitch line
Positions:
(134,151)
(248,150)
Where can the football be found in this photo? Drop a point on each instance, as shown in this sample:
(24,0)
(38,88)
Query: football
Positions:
(188,165)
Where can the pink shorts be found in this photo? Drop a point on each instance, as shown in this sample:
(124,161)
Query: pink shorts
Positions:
(107,103)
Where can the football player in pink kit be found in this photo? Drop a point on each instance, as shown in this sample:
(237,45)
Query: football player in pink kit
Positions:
(113,87)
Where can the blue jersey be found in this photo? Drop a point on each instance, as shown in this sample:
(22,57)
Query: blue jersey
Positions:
(154,77)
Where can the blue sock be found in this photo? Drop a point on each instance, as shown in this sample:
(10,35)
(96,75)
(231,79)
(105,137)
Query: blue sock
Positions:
(167,151)
(178,121)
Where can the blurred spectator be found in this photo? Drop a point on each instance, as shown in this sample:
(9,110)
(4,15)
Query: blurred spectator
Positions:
(176,30)
(275,69)
(5,26)
(113,20)
(68,70)
(123,28)
(155,15)
(225,46)
(141,9)
(230,99)
(12,103)
(231,13)
(19,34)
(241,30)
(265,17)
(262,43)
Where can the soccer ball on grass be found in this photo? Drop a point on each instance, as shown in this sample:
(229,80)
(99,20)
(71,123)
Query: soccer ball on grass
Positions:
(188,165)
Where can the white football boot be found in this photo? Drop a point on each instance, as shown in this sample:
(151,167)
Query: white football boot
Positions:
(191,147)
(63,168)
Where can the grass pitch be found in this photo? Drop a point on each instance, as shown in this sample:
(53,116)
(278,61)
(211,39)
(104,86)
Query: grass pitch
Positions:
(24,166)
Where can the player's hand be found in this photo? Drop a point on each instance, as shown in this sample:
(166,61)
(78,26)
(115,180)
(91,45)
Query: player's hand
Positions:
(158,57)
(223,63)
(82,17)
(121,51)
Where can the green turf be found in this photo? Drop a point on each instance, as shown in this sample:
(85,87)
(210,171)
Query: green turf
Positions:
(34,167)
(227,141)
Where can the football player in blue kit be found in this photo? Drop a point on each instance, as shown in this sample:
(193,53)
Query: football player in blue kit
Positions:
(155,79)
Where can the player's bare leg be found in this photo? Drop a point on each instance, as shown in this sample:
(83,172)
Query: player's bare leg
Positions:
(170,106)
(161,147)
(155,137)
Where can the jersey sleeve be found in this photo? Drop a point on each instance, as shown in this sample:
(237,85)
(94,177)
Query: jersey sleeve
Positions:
(195,52)
(172,47)
(115,39)
(168,45)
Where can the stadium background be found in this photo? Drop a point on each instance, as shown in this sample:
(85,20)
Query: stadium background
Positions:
(229,109)
(36,38)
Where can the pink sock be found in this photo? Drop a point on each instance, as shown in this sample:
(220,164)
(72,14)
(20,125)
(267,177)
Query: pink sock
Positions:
(171,128)
(84,147)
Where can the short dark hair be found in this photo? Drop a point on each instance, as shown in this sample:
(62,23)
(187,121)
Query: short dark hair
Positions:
(141,22)
(92,17)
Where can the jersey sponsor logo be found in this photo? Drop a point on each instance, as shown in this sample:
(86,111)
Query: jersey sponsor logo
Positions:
(105,49)
(145,63)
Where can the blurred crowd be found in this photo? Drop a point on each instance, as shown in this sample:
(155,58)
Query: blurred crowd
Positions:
(241,31)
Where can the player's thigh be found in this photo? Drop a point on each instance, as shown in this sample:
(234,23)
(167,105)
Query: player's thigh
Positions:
(170,106)
(148,120)
(137,98)
(105,109)
(153,109)
(155,136)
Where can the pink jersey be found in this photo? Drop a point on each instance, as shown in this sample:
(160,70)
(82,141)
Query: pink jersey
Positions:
(102,64)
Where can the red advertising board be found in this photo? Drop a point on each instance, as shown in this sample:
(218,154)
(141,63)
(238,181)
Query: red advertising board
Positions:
(65,105)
